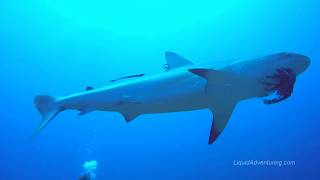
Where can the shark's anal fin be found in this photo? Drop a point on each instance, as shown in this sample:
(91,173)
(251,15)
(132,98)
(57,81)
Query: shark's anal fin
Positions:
(221,113)
(175,61)
(129,116)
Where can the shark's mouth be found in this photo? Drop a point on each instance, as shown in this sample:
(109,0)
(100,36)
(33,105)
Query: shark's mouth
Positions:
(281,85)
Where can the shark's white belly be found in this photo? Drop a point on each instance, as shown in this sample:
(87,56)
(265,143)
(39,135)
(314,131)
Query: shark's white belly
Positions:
(174,92)
(185,92)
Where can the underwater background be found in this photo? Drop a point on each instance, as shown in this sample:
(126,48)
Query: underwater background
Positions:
(58,47)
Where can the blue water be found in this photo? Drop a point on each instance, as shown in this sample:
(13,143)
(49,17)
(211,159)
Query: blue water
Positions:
(59,47)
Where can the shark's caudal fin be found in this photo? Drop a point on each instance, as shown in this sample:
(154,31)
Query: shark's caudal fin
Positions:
(48,109)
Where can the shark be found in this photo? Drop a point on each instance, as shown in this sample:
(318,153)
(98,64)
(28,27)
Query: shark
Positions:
(185,86)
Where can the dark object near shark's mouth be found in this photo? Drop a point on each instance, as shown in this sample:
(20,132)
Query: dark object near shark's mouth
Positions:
(281,85)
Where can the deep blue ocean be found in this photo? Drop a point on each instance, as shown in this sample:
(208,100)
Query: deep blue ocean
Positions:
(58,47)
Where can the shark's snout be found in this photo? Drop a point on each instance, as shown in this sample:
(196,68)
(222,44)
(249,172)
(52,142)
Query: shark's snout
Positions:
(297,62)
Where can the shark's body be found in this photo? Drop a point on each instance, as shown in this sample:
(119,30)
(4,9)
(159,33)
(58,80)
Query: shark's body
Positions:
(186,87)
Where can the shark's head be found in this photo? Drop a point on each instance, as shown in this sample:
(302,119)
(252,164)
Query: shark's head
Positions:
(282,70)
(296,62)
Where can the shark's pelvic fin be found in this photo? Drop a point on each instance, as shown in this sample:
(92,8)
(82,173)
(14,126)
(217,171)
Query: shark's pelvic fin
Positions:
(175,61)
(220,115)
(48,109)
(84,111)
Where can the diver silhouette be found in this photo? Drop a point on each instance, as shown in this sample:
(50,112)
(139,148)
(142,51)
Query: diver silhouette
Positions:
(89,168)
(86,176)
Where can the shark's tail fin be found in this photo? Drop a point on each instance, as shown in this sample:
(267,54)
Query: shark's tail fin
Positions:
(48,108)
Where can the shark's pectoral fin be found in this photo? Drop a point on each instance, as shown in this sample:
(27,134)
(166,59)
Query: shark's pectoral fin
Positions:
(216,76)
(129,116)
(220,115)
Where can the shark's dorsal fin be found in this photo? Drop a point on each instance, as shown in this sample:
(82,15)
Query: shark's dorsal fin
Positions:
(220,116)
(175,61)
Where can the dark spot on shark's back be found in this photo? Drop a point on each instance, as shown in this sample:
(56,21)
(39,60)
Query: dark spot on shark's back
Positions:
(88,88)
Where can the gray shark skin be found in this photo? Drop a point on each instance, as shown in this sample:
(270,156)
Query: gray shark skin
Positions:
(185,86)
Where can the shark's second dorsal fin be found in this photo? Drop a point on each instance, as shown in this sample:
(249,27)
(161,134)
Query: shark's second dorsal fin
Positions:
(175,61)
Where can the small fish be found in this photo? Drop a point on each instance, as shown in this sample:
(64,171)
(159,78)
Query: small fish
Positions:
(127,77)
